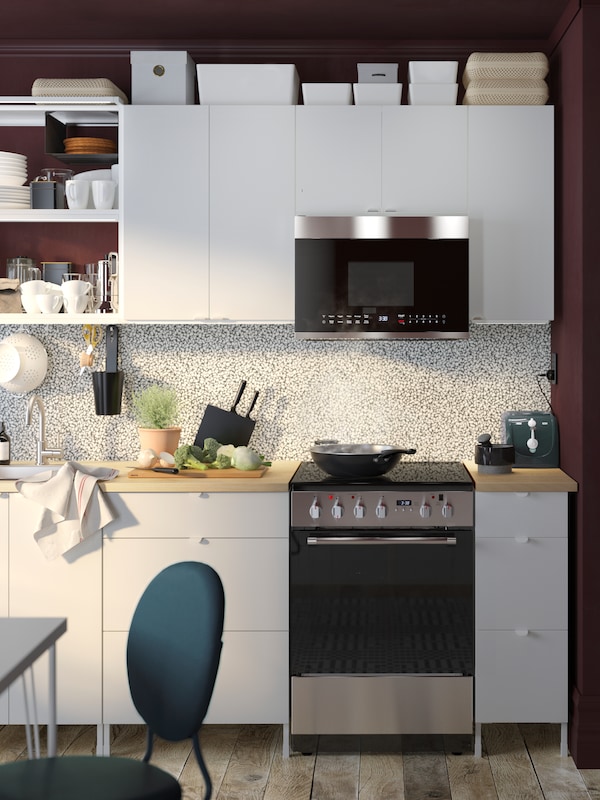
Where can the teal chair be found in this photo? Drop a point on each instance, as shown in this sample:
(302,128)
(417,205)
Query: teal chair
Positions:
(173,653)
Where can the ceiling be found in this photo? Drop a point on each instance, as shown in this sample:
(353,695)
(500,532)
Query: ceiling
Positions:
(191,20)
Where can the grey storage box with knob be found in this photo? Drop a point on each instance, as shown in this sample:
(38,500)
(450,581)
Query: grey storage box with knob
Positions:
(162,77)
(534,435)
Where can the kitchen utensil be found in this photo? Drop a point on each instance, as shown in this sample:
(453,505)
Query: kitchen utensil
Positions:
(227,427)
(534,435)
(108,385)
(107,286)
(493,458)
(33,363)
(77,193)
(103,193)
(357,460)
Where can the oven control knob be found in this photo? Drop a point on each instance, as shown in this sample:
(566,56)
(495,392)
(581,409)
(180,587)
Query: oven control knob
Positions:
(447,510)
(381,510)
(425,510)
(337,509)
(359,509)
(315,509)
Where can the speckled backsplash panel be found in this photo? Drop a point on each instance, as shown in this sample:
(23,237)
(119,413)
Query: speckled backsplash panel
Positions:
(437,396)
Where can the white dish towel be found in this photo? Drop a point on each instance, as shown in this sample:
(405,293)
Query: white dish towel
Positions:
(73,507)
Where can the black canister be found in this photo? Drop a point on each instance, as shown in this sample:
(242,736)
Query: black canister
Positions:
(493,458)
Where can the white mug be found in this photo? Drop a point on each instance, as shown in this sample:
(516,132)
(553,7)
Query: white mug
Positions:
(77,193)
(76,304)
(103,193)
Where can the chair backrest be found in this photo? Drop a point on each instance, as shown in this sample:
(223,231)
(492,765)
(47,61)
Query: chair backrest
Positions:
(174,647)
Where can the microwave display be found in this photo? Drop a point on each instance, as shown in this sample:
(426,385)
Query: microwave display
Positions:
(381,288)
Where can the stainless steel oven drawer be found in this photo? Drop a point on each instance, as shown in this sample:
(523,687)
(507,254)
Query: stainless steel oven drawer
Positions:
(381,704)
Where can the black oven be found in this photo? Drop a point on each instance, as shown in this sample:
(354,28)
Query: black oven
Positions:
(381,603)
(381,277)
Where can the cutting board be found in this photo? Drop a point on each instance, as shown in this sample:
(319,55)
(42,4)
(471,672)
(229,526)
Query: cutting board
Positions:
(199,473)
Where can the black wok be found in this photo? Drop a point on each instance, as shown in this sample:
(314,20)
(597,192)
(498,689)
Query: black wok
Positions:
(357,460)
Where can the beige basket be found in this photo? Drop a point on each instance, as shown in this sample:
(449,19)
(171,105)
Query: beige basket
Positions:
(506,92)
(76,87)
(505,65)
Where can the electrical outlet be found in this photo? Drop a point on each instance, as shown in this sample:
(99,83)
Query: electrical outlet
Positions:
(552,373)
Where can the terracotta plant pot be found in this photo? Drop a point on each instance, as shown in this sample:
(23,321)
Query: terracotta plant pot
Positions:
(161,440)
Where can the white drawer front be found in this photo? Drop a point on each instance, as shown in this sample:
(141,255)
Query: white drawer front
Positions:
(164,515)
(526,513)
(251,687)
(521,582)
(521,678)
(254,574)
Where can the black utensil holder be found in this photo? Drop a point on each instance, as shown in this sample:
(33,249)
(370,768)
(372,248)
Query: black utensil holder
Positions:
(108,386)
(108,391)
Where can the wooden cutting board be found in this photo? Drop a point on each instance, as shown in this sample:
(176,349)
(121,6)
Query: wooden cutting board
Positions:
(199,473)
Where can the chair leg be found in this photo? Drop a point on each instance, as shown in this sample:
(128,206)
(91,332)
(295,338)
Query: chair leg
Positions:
(149,743)
(202,765)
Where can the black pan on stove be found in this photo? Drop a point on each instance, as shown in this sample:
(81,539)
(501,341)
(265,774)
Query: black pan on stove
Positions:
(357,460)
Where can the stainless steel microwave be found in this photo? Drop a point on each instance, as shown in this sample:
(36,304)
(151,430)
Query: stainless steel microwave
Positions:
(379,277)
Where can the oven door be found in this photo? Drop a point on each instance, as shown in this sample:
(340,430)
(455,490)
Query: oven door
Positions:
(381,631)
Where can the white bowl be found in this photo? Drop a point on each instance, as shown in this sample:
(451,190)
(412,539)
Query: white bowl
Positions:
(327,94)
(74,288)
(432,71)
(432,94)
(377,94)
(33,287)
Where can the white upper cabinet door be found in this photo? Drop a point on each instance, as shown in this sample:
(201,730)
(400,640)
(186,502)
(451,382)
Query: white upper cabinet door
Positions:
(338,160)
(511,213)
(164,241)
(424,162)
(252,213)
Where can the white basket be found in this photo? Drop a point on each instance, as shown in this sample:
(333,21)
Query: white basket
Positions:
(432,71)
(327,94)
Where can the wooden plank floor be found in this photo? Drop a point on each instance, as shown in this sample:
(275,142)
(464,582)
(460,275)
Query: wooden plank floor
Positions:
(520,762)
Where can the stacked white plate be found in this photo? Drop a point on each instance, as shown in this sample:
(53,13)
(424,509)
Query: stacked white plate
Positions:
(13,174)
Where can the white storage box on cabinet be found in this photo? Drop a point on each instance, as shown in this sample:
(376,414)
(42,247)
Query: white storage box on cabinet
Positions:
(162,77)
(247,84)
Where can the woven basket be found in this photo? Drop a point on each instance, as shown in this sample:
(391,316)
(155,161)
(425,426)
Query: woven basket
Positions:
(76,87)
(513,66)
(506,92)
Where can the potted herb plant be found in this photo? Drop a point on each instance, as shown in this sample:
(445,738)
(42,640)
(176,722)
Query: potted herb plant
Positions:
(155,411)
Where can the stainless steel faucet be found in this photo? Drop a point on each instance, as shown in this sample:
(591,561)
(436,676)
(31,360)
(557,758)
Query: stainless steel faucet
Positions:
(43,453)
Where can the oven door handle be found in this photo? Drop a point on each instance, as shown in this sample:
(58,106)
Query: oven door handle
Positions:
(340,540)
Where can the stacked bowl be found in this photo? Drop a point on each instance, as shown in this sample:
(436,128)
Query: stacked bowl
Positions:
(13,174)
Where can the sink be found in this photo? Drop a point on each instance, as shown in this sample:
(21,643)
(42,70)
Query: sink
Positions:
(15,472)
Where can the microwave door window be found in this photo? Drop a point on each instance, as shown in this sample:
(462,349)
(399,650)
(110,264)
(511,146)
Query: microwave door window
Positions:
(381,284)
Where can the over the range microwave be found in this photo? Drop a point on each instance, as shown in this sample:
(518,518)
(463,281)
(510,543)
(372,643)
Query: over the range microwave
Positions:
(382,277)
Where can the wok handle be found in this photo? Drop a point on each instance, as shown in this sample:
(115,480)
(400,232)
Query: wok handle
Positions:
(252,404)
(238,396)
(383,457)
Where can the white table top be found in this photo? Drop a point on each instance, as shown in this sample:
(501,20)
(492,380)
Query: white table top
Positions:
(22,641)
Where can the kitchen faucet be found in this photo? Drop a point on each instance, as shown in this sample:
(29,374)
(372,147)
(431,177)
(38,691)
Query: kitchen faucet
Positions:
(42,452)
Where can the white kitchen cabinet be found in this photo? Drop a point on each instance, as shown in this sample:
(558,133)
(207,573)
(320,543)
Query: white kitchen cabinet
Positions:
(424,160)
(338,160)
(68,586)
(521,608)
(245,538)
(511,213)
(164,242)
(381,160)
(252,213)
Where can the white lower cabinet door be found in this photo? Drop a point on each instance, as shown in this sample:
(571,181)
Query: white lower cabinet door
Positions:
(253,572)
(521,514)
(521,582)
(251,687)
(68,586)
(521,676)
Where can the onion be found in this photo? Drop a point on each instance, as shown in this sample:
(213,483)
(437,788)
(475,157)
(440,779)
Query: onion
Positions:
(146,458)
(166,460)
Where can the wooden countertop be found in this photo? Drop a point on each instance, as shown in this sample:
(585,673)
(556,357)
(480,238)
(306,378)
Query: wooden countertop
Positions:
(275,479)
(522,480)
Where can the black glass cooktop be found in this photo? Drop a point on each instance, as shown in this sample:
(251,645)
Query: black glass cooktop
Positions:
(428,473)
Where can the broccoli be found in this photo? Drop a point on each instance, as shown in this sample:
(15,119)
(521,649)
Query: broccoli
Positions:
(222,461)
(210,449)
(189,456)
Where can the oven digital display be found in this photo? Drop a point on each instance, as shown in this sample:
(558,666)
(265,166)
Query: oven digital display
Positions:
(381,283)
(404,502)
